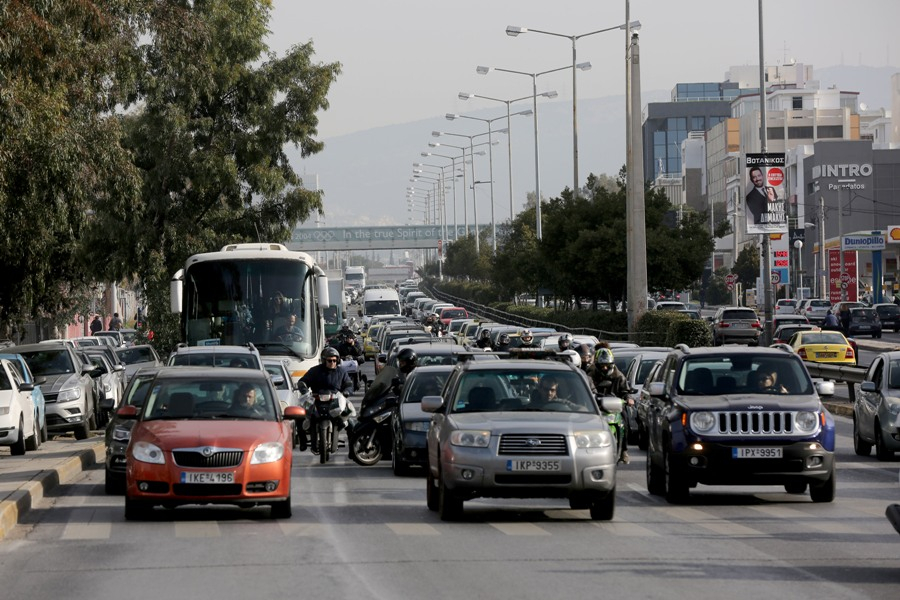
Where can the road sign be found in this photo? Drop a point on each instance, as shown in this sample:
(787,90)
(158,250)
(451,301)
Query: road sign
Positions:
(776,277)
(730,286)
(731,278)
(845,278)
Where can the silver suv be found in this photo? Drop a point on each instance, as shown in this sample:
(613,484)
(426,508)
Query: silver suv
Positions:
(736,324)
(244,357)
(815,310)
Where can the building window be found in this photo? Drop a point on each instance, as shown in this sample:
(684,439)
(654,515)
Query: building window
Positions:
(800,133)
(830,131)
(775,133)
(797,102)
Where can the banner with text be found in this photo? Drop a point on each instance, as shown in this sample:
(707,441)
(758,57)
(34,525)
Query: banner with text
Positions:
(764,206)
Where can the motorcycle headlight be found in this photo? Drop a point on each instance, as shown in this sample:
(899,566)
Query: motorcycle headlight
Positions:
(148,453)
(470,439)
(267,453)
(69,394)
(593,439)
(702,422)
(806,421)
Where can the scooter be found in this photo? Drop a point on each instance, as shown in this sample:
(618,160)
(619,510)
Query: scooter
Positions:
(325,419)
(371,438)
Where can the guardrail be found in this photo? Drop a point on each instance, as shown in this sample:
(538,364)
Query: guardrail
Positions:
(840,374)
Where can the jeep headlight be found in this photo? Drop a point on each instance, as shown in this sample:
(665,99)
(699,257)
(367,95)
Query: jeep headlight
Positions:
(470,439)
(593,439)
(69,394)
(148,453)
(806,421)
(703,422)
(267,453)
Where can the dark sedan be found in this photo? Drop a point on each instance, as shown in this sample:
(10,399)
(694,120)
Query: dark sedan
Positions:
(889,314)
(410,423)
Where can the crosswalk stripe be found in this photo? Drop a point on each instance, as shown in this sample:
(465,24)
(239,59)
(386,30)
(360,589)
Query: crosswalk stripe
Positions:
(87,531)
(781,512)
(626,529)
(198,529)
(302,529)
(519,529)
(412,529)
(728,528)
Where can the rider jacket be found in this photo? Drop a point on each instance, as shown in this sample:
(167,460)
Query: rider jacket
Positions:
(322,379)
(619,384)
(345,348)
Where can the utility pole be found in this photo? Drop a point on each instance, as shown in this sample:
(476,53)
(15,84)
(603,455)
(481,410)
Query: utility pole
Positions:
(823,257)
(766,249)
(635,207)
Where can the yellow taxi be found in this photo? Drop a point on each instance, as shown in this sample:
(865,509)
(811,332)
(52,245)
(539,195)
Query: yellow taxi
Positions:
(370,346)
(823,347)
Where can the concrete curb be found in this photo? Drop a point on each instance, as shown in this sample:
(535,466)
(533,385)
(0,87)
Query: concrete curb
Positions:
(31,492)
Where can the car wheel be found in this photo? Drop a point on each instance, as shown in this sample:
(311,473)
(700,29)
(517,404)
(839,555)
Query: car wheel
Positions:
(399,467)
(603,507)
(114,483)
(83,431)
(450,506)
(281,509)
(34,441)
(677,488)
(431,494)
(860,446)
(642,442)
(361,455)
(18,447)
(580,502)
(881,453)
(44,435)
(136,510)
(823,492)
(795,487)
(656,478)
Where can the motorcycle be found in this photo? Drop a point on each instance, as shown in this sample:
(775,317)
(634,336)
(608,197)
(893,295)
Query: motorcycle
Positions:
(617,421)
(351,366)
(371,438)
(325,420)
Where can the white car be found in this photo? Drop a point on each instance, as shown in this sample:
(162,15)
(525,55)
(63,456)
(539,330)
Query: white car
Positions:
(19,425)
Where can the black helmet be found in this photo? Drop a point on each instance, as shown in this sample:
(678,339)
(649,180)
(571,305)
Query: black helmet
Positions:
(485,334)
(503,340)
(406,359)
(330,352)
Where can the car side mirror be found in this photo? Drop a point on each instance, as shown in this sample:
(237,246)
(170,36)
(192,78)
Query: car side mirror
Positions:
(26,387)
(825,388)
(432,403)
(868,386)
(657,388)
(107,404)
(127,412)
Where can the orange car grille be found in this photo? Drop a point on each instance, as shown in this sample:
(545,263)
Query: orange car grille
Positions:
(216,460)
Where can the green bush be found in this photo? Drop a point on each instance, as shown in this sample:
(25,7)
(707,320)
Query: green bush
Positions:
(693,332)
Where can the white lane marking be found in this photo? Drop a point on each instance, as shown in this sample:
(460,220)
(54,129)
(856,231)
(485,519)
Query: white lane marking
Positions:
(199,529)
(412,529)
(519,528)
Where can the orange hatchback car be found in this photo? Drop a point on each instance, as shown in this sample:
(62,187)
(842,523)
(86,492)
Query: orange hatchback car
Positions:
(209,436)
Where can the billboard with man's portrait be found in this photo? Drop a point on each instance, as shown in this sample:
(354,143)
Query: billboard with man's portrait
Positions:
(765,206)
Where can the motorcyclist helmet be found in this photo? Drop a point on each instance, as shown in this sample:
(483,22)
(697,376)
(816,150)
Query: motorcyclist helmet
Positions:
(565,341)
(503,340)
(485,334)
(526,336)
(587,355)
(406,360)
(604,360)
(330,352)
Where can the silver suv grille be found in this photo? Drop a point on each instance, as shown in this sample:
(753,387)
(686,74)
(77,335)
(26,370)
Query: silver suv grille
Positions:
(538,443)
(755,423)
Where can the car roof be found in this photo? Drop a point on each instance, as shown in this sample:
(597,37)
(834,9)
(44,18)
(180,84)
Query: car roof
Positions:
(518,364)
(226,373)
(214,349)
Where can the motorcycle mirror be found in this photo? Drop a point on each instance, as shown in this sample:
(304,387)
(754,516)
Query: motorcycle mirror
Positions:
(302,387)
(395,381)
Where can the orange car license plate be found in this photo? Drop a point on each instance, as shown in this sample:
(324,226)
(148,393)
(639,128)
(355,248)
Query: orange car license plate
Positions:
(207,478)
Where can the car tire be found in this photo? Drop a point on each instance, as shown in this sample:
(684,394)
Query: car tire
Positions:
(823,492)
(603,508)
(398,466)
(136,510)
(797,487)
(677,488)
(580,501)
(44,434)
(33,442)
(431,493)
(450,506)
(83,431)
(860,446)
(642,442)
(281,509)
(656,478)
(881,453)
(17,448)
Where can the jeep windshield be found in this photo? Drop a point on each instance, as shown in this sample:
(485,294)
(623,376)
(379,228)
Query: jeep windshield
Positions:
(718,375)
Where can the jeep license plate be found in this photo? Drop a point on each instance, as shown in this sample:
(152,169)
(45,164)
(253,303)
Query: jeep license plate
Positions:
(756,453)
(533,465)
(207,478)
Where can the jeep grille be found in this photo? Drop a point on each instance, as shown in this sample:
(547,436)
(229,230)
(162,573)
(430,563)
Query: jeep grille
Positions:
(762,423)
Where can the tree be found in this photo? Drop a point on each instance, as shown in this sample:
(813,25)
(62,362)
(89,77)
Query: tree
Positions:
(216,111)
(64,68)
(746,266)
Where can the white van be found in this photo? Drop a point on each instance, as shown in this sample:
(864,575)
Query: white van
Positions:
(381,302)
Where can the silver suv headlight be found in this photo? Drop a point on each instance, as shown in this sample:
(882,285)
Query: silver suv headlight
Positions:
(593,439)
(470,439)
(806,421)
(703,422)
(69,394)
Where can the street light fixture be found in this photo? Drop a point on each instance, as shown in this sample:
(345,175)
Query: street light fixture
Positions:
(513,31)
(462,149)
(469,96)
(481,70)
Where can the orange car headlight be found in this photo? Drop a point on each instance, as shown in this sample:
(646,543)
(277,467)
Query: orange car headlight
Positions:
(267,453)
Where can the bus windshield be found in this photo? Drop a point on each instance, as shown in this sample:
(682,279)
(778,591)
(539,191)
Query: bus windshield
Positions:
(250,300)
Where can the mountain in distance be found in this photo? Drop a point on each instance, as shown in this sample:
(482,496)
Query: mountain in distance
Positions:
(365,175)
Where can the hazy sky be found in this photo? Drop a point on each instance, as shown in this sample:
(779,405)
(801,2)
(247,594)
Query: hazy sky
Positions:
(406,60)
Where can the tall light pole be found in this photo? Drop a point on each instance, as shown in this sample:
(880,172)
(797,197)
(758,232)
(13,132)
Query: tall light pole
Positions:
(471,139)
(467,96)
(513,31)
(443,205)
(453,164)
(452,116)
(462,149)
(537,155)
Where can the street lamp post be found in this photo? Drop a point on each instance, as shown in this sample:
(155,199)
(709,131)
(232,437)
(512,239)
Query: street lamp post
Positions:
(462,149)
(443,204)
(452,116)
(537,156)
(513,31)
(467,96)
(453,164)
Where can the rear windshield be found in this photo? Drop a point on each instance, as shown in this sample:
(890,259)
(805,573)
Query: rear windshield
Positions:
(820,303)
(787,302)
(453,313)
(866,315)
(824,338)
(219,359)
(888,309)
(746,314)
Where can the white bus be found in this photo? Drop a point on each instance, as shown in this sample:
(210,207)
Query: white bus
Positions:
(247,293)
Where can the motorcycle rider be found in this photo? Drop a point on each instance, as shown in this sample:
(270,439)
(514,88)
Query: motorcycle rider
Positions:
(604,373)
(325,378)
(565,347)
(484,339)
(526,339)
(391,378)
(502,343)
(587,356)
(350,346)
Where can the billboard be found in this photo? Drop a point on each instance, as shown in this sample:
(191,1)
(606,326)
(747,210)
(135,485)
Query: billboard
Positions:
(764,204)
(846,281)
